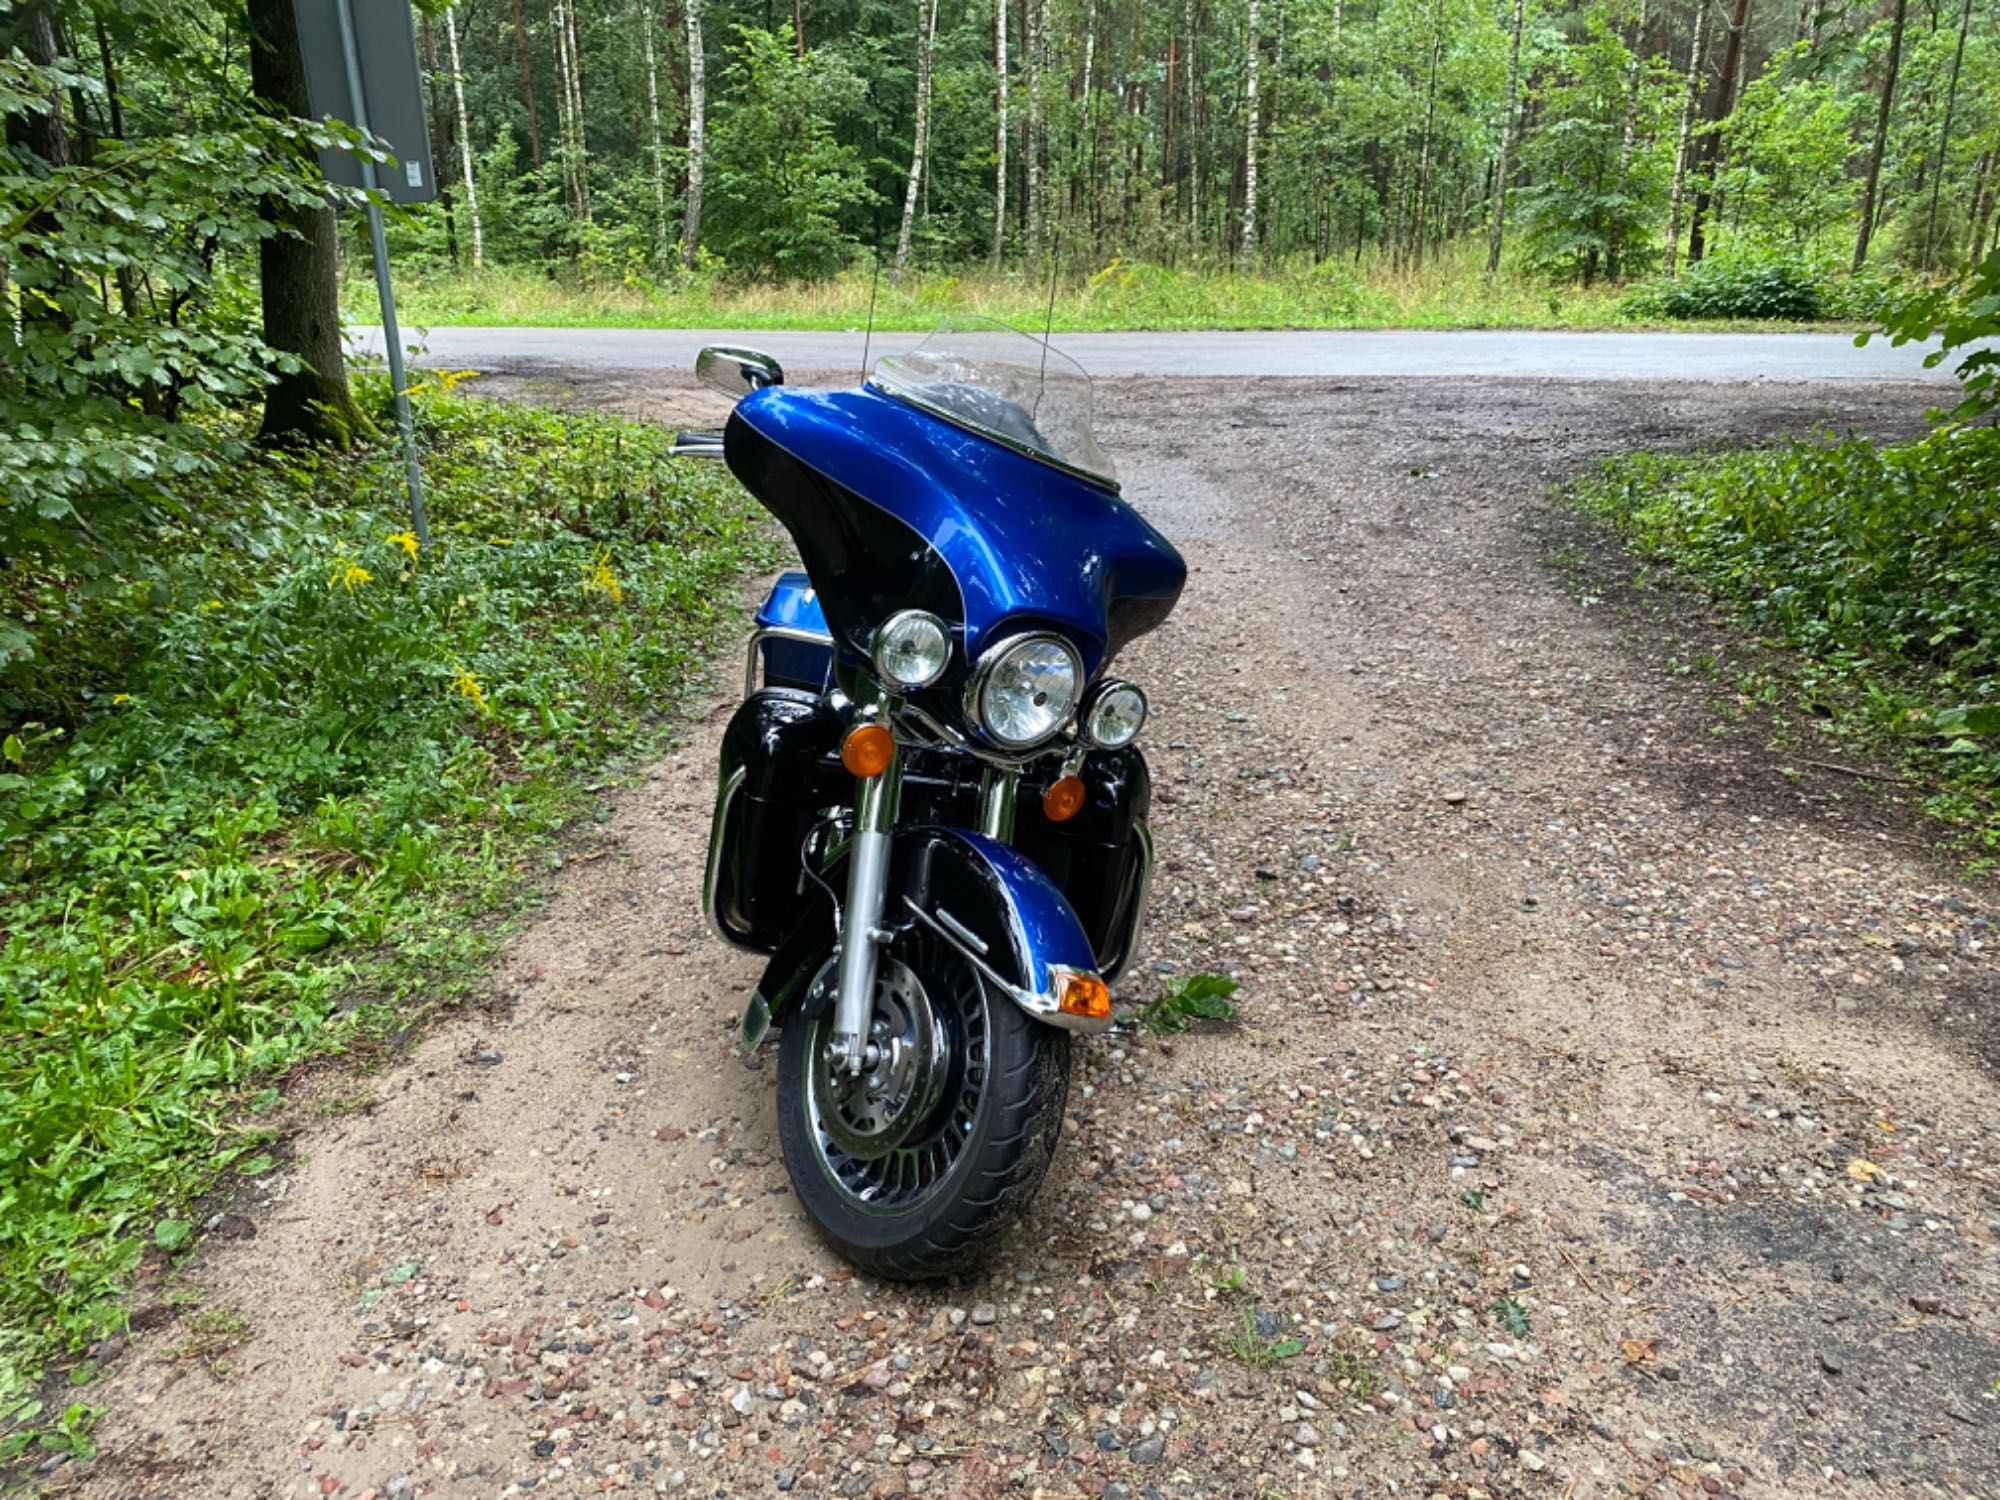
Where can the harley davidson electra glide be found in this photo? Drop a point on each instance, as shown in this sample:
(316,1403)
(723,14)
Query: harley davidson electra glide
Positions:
(932,815)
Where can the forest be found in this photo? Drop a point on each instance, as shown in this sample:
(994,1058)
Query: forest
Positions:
(646,142)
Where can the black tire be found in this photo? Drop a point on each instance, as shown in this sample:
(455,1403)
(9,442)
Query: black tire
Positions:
(989,1154)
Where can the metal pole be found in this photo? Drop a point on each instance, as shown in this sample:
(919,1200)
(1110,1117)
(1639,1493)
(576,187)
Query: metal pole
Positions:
(391,334)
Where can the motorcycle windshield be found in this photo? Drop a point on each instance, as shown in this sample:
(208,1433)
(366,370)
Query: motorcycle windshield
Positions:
(1004,385)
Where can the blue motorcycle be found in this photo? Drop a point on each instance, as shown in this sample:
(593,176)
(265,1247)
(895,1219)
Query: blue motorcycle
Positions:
(931,812)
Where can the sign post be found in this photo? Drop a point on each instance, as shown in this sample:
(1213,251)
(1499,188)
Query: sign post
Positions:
(363,69)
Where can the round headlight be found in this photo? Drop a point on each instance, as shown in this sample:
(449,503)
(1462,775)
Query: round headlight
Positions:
(1117,716)
(912,649)
(1024,690)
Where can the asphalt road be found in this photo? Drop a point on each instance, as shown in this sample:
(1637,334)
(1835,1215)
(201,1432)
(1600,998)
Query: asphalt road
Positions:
(1555,355)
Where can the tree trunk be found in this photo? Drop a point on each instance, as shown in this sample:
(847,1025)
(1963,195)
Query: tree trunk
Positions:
(1505,165)
(565,139)
(298,268)
(1034,14)
(1944,138)
(1982,205)
(1874,179)
(1613,261)
(44,135)
(527,87)
(1690,100)
(927,13)
(697,128)
(653,121)
(999,130)
(1417,222)
(464,139)
(441,133)
(798,28)
(1247,251)
(576,109)
(1710,152)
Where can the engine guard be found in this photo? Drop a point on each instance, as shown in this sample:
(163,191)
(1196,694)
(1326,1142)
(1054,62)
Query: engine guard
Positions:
(987,901)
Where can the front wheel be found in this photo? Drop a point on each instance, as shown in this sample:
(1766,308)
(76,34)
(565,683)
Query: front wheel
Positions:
(913,1168)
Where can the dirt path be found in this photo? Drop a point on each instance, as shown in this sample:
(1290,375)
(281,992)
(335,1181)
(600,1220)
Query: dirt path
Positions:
(1532,1171)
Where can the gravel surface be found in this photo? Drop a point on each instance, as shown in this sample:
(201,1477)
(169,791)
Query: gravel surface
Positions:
(1613,1110)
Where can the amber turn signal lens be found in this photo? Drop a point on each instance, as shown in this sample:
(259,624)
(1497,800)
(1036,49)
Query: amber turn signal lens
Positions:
(1082,995)
(1063,800)
(868,750)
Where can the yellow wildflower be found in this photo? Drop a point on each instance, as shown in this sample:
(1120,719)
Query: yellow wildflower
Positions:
(469,688)
(350,576)
(213,604)
(602,580)
(407,540)
(119,699)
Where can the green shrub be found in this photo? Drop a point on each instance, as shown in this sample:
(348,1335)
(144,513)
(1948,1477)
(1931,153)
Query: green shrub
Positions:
(1879,563)
(273,775)
(1771,289)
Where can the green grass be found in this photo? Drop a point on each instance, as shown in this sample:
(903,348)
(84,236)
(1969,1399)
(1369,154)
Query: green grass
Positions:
(1117,295)
(1453,291)
(255,804)
(1874,567)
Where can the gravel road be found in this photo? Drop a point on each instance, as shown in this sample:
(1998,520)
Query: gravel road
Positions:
(1613,1111)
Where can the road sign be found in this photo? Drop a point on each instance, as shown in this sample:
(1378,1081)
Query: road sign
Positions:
(341,84)
(392,98)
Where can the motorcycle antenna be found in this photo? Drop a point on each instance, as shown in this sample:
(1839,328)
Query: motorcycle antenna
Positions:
(1048,323)
(868,333)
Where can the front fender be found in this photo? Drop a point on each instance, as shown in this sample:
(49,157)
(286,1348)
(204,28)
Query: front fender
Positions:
(997,908)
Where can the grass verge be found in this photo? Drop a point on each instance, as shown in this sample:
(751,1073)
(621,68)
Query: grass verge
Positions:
(1874,566)
(1121,295)
(251,807)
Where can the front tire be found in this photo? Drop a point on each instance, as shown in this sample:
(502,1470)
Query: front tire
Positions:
(913,1171)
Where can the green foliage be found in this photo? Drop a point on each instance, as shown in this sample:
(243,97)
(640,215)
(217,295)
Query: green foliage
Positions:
(1511,1316)
(1875,563)
(1786,150)
(1599,167)
(136,332)
(1965,312)
(248,788)
(1766,288)
(1192,998)
(784,188)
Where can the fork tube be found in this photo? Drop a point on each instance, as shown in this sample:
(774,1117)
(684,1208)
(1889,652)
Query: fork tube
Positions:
(996,803)
(861,934)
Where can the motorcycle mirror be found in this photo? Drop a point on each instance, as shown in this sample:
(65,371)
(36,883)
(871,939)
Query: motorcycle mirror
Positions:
(736,372)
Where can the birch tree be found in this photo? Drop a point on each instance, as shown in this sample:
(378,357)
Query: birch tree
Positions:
(697,125)
(999,130)
(1504,166)
(927,13)
(659,164)
(1690,101)
(1035,13)
(1248,251)
(464,138)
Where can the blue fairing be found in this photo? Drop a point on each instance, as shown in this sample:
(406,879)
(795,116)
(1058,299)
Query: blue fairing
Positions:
(793,606)
(1027,544)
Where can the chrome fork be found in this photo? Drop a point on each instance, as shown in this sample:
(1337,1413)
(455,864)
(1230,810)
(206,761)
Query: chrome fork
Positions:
(861,933)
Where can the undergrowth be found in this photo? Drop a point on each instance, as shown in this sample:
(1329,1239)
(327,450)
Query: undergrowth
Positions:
(251,801)
(1876,564)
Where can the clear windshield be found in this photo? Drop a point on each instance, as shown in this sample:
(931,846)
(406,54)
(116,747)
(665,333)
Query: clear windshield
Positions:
(1005,385)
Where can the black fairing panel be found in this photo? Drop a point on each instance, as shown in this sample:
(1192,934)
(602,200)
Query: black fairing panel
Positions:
(786,745)
(1095,859)
(881,563)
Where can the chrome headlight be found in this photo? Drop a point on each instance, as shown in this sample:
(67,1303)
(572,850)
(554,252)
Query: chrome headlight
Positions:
(1024,690)
(912,649)
(1116,716)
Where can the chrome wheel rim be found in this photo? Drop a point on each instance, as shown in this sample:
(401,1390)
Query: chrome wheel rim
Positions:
(889,1139)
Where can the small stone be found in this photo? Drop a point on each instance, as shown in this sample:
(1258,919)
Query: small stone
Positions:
(1929,1305)
(1532,1460)
(1831,1362)
(742,1402)
(984,1313)
(1149,1450)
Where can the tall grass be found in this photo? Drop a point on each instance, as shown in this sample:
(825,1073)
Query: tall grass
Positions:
(1451,292)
